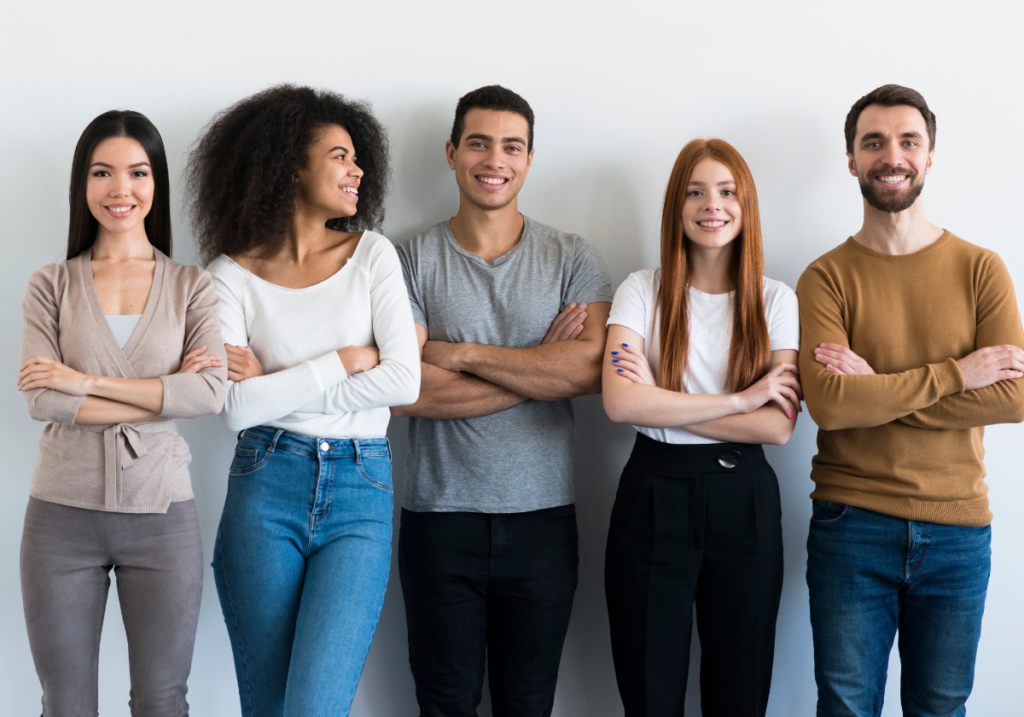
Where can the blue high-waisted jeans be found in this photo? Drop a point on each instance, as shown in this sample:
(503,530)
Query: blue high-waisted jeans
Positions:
(301,565)
(871,575)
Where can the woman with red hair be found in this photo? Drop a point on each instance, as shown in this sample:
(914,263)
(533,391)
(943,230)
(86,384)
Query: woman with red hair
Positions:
(702,361)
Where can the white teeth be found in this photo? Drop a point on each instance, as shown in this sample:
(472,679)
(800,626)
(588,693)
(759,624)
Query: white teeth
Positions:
(350,190)
(893,179)
(120,210)
(491,180)
(712,224)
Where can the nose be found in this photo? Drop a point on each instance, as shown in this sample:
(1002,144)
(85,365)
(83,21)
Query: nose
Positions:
(356,171)
(122,186)
(894,155)
(495,158)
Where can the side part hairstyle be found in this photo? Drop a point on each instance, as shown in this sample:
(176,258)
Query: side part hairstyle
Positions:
(750,349)
(491,97)
(83,226)
(242,175)
(890,96)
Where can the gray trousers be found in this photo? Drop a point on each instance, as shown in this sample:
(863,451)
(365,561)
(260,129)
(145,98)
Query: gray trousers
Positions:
(66,557)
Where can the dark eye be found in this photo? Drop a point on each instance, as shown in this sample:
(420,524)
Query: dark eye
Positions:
(101,173)
(514,148)
(694,193)
(728,193)
(139,173)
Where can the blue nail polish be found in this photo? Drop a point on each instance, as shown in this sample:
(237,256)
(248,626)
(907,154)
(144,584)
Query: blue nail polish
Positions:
(626,345)
(615,360)
(615,353)
(619,370)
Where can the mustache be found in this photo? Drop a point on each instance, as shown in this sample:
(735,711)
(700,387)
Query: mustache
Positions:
(909,171)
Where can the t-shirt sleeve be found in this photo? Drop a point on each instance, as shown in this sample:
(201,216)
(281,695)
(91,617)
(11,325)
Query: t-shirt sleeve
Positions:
(405,257)
(783,313)
(589,281)
(632,304)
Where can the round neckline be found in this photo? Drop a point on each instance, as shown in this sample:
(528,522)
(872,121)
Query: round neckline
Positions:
(346,265)
(450,237)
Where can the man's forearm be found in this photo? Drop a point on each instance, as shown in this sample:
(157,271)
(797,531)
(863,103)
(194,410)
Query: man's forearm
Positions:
(549,372)
(453,395)
(1002,402)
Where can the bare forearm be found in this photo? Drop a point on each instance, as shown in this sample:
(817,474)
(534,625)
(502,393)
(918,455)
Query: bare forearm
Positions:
(102,411)
(453,395)
(767,424)
(145,393)
(654,407)
(549,372)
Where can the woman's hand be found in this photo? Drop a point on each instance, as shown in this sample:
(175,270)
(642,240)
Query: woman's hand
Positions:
(42,372)
(194,362)
(629,362)
(779,385)
(242,363)
(356,359)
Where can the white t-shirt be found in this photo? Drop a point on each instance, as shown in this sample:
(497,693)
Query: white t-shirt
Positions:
(296,333)
(710,325)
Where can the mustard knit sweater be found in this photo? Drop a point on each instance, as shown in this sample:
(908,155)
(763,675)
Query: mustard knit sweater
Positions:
(907,441)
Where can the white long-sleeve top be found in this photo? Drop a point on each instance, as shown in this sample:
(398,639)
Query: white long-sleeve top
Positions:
(296,333)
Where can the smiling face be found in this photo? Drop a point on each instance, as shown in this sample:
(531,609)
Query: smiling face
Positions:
(329,183)
(120,187)
(712,216)
(491,161)
(891,156)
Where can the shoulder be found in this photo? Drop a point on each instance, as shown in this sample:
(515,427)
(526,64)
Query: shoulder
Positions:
(828,268)
(644,280)
(427,241)
(775,290)
(549,239)
(51,275)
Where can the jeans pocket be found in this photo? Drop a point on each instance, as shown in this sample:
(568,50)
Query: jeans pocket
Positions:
(376,470)
(826,512)
(250,456)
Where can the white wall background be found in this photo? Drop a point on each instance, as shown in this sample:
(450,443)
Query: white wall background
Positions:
(617,88)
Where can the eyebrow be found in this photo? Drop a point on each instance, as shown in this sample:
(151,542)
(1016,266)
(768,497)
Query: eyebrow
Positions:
(104,164)
(343,149)
(701,184)
(489,138)
(879,135)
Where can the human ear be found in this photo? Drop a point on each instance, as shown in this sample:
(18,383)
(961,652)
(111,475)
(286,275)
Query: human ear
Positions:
(449,150)
(851,164)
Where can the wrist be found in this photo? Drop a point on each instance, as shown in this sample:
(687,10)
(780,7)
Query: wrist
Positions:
(93,385)
(465,356)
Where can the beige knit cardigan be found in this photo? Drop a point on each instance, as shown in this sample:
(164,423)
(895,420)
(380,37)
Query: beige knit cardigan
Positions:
(127,467)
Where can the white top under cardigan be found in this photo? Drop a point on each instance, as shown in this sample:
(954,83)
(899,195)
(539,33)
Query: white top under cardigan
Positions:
(710,324)
(296,333)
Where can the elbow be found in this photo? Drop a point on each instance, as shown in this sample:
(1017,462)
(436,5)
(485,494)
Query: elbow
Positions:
(781,436)
(614,409)
(234,422)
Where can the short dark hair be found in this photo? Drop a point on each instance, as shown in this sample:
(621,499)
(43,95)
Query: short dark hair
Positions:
(491,97)
(890,96)
(241,174)
(83,226)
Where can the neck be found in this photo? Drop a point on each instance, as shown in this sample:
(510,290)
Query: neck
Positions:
(487,233)
(307,235)
(120,247)
(897,233)
(710,268)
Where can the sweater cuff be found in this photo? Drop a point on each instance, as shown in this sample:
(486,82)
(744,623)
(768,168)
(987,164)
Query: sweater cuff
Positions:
(949,377)
(71,409)
(328,370)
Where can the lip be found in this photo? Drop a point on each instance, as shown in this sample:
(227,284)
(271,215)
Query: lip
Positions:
(712,230)
(109,208)
(492,187)
(352,195)
(890,185)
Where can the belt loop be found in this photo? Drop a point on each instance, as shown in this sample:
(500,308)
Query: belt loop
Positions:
(273,441)
(359,454)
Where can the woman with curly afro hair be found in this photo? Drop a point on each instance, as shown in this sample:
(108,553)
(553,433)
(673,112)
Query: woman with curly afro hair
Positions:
(287,187)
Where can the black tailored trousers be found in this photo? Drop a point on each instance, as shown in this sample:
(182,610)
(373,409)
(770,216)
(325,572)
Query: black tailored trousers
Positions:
(694,525)
(487,588)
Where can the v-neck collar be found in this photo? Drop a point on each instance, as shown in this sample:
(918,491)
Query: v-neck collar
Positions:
(123,356)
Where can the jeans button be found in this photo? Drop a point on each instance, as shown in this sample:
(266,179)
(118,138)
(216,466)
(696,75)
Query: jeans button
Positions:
(325,446)
(729,458)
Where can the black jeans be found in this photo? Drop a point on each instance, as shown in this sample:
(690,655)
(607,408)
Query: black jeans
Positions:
(694,524)
(481,586)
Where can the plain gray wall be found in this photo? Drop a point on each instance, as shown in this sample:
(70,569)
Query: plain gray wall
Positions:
(617,89)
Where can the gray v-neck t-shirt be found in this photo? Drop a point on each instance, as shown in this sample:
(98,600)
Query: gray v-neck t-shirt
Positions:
(519,459)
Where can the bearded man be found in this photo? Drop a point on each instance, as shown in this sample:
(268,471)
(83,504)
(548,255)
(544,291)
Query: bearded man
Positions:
(911,345)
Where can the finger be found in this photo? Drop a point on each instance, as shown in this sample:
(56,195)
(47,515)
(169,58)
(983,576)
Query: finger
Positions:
(235,351)
(833,369)
(576,323)
(627,374)
(577,331)
(195,352)
(630,349)
(782,403)
(38,383)
(564,315)
(237,375)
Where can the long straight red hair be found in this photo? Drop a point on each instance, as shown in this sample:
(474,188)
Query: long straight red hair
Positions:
(750,350)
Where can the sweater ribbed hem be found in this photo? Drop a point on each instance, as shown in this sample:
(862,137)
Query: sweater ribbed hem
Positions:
(950,379)
(138,509)
(966,513)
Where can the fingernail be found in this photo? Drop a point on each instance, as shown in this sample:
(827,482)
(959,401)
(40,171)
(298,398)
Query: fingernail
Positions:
(615,353)
(615,360)
(791,416)
(619,370)
(626,345)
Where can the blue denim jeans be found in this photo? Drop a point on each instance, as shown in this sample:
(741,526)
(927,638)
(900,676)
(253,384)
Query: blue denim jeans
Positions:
(301,565)
(870,576)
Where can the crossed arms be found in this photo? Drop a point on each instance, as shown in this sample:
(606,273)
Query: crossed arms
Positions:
(466,380)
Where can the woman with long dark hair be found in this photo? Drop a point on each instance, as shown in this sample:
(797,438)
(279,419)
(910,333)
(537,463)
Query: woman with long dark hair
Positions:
(287,187)
(702,361)
(118,341)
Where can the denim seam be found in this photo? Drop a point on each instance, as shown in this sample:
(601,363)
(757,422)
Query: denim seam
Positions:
(234,620)
(924,551)
(371,481)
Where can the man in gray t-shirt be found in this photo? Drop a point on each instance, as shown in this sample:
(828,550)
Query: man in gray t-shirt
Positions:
(510,314)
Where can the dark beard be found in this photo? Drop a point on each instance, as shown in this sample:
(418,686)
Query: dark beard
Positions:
(885,200)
